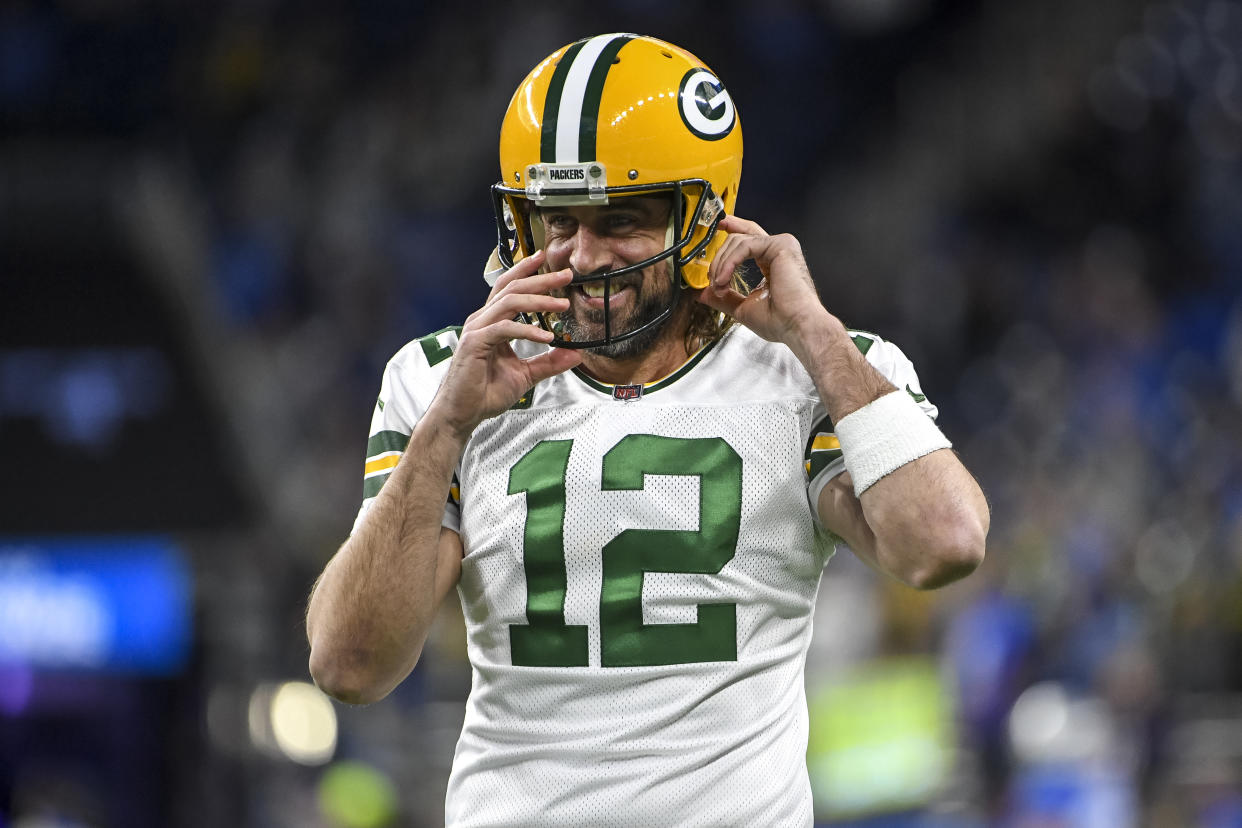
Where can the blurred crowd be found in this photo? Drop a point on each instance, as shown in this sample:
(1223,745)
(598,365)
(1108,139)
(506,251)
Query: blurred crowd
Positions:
(1041,202)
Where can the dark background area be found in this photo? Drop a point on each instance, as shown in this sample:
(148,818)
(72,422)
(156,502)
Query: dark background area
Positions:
(218,222)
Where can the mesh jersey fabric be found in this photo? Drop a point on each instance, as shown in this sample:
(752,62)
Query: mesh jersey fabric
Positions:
(638,583)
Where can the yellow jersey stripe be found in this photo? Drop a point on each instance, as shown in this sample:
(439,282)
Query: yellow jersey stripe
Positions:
(387,461)
(825,442)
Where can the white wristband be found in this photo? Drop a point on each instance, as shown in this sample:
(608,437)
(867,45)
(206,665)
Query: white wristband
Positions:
(884,435)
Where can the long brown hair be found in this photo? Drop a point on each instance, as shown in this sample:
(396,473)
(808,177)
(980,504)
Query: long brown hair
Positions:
(706,324)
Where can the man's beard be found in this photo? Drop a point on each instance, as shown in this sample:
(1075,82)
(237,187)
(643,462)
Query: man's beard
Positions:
(649,305)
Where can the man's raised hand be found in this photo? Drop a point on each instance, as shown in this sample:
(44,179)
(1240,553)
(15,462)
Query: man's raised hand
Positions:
(784,306)
(486,377)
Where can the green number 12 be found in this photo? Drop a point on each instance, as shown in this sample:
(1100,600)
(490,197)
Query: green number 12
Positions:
(625,641)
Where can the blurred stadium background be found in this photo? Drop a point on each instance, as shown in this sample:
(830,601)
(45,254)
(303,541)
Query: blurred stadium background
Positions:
(218,221)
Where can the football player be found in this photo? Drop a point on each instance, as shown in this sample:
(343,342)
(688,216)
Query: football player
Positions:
(633,471)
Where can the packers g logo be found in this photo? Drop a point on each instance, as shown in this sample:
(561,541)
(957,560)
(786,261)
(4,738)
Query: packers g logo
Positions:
(705,105)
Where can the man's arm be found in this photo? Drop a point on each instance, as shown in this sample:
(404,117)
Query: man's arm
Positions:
(370,610)
(904,550)
(924,522)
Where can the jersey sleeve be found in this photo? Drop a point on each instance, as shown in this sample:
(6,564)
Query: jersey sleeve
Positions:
(824,460)
(410,381)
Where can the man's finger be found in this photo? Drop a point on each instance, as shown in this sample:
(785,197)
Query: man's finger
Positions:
(737,224)
(726,302)
(555,361)
(503,331)
(732,253)
(521,269)
(532,283)
(489,313)
(512,304)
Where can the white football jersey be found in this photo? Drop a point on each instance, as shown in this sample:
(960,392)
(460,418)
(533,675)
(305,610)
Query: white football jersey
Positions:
(640,569)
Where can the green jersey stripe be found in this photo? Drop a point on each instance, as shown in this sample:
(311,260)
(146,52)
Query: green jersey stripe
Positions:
(683,370)
(819,461)
(372,485)
(383,441)
(824,426)
(439,346)
(863,340)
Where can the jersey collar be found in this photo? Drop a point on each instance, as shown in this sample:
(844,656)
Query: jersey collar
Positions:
(649,387)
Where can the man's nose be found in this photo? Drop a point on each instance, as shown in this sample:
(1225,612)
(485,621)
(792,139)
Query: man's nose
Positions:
(591,253)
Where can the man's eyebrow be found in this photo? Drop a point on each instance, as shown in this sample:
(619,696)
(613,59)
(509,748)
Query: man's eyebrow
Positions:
(637,203)
(627,204)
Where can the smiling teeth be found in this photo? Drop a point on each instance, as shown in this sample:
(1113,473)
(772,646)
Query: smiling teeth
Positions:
(594,289)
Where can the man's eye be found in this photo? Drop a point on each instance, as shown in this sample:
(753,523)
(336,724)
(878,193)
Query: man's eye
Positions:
(557,221)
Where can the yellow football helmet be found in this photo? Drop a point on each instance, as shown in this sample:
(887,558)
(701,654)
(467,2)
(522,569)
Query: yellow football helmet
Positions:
(612,116)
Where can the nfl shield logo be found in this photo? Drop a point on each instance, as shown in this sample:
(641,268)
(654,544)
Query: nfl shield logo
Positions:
(627,392)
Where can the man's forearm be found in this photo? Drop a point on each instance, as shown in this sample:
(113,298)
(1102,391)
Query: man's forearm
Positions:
(926,519)
(930,520)
(369,612)
(843,377)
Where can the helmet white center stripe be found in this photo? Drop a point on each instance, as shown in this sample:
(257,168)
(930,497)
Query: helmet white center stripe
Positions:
(569,116)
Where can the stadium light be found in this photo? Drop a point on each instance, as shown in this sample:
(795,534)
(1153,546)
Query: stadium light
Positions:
(293,720)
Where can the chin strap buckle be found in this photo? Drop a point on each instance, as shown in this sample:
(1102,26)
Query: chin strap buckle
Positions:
(713,205)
